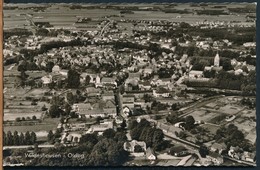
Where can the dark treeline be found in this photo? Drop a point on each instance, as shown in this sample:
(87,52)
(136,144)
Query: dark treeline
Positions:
(106,150)
(230,81)
(17,31)
(29,138)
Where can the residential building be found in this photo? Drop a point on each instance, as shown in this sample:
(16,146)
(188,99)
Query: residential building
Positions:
(130,146)
(215,158)
(218,147)
(150,154)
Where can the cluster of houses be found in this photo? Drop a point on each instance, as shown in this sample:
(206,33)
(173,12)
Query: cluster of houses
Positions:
(238,153)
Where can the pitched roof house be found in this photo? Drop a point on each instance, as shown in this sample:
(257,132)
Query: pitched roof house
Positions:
(150,154)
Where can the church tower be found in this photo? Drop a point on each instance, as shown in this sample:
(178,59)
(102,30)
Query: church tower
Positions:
(216,60)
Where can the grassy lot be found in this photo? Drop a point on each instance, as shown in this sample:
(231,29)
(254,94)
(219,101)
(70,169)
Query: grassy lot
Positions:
(203,115)
(211,128)
(218,119)
(35,128)
(46,125)
(13,116)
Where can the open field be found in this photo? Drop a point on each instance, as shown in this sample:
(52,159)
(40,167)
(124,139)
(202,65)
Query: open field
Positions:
(203,115)
(13,116)
(211,128)
(35,128)
(62,16)
(229,109)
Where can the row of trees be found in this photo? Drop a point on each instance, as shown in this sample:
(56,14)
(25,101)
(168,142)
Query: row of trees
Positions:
(231,81)
(199,63)
(17,31)
(18,119)
(9,138)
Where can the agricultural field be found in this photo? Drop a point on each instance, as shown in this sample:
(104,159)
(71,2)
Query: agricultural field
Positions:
(203,115)
(62,16)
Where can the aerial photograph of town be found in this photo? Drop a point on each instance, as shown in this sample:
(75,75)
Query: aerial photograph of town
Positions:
(129,84)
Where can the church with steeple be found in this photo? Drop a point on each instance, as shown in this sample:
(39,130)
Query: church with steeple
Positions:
(216,66)
(216,60)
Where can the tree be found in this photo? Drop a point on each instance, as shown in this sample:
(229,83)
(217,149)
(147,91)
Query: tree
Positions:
(70,98)
(73,79)
(50,137)
(123,124)
(173,118)
(55,111)
(138,148)
(18,119)
(58,133)
(27,138)
(147,98)
(182,135)
(203,150)
(143,123)
(174,106)
(185,25)
(158,140)
(21,139)
(245,69)
(189,122)
(135,133)
(108,152)
(87,79)
(9,138)
(44,108)
(34,117)
(42,32)
(4,138)
(67,108)
(92,138)
(16,138)
(225,62)
(33,137)
(49,66)
(120,137)
(76,139)
(36,147)
(132,124)
(109,133)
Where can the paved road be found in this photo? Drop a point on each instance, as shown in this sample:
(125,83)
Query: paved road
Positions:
(101,32)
